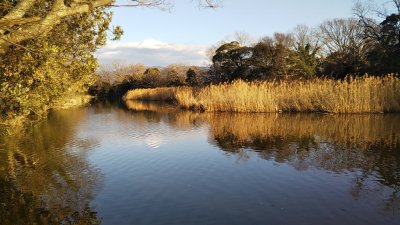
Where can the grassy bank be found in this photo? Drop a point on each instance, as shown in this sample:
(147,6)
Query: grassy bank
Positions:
(353,95)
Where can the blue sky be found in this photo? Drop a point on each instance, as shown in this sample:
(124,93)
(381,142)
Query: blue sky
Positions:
(159,38)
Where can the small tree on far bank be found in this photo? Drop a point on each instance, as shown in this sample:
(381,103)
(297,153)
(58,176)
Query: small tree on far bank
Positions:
(152,77)
(191,77)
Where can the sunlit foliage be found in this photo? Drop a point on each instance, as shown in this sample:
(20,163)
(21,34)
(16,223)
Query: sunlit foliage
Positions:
(44,73)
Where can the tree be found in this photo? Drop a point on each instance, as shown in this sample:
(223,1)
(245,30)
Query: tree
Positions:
(343,47)
(390,42)
(305,58)
(191,77)
(305,61)
(61,66)
(172,78)
(46,51)
(174,74)
(243,38)
(304,35)
(341,36)
(272,57)
(383,38)
(262,60)
(25,19)
(230,61)
(152,77)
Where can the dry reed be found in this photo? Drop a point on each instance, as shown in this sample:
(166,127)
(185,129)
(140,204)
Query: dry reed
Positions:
(353,95)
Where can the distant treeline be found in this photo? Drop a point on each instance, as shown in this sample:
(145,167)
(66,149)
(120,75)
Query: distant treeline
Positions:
(335,49)
(115,80)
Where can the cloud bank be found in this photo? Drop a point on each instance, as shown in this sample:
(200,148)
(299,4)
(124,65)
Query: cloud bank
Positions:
(152,53)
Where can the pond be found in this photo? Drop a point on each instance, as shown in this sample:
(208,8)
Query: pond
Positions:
(151,164)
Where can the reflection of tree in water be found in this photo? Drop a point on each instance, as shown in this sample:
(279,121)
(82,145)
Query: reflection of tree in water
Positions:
(381,174)
(43,181)
(368,145)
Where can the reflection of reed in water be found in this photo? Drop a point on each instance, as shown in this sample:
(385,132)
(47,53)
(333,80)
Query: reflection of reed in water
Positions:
(350,131)
(328,142)
(369,144)
(364,146)
(174,117)
(333,143)
(354,130)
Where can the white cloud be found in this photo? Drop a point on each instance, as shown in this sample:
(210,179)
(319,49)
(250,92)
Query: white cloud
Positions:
(152,53)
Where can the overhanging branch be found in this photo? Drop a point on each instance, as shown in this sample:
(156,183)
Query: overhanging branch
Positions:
(18,21)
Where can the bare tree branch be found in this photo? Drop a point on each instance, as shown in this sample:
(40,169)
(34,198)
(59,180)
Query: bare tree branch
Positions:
(210,3)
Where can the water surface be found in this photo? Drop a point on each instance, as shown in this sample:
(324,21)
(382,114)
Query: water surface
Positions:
(146,164)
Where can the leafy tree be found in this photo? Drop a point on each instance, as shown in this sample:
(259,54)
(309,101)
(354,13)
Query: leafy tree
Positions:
(152,77)
(46,50)
(24,20)
(306,57)
(305,61)
(271,57)
(230,61)
(262,59)
(383,38)
(60,66)
(191,77)
(389,43)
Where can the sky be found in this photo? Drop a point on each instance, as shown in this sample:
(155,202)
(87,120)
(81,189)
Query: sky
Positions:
(183,34)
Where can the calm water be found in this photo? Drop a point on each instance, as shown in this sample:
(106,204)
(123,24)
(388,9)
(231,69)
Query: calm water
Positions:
(156,165)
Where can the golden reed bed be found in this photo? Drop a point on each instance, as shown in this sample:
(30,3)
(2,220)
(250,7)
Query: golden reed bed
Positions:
(353,95)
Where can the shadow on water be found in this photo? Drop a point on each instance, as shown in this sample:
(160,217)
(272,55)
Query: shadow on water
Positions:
(366,144)
(44,174)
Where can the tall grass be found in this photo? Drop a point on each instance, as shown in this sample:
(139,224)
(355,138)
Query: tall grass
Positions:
(153,94)
(353,95)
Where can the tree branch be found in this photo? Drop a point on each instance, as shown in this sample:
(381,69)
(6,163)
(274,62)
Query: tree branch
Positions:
(34,27)
(18,45)
(42,27)
(19,10)
(18,21)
